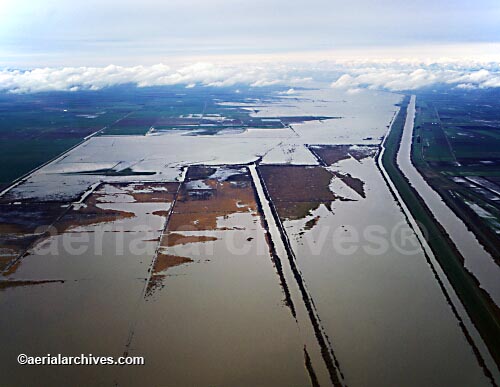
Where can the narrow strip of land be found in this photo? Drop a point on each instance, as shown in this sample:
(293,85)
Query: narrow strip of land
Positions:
(475,258)
(454,278)
(319,353)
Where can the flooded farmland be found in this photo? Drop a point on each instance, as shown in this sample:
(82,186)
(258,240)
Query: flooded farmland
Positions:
(255,256)
(358,277)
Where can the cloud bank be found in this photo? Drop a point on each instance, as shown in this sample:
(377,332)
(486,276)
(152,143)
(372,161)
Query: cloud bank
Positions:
(411,77)
(388,75)
(95,78)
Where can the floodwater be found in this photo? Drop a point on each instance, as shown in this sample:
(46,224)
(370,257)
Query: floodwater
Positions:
(216,316)
(221,319)
(477,260)
(191,269)
(102,259)
(387,318)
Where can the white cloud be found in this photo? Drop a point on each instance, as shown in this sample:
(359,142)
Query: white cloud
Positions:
(393,75)
(397,76)
(95,78)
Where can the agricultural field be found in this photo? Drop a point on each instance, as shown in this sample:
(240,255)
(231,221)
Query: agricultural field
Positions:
(457,148)
(250,193)
(142,120)
(35,128)
(245,232)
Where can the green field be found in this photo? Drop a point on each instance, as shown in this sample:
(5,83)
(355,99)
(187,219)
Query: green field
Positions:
(483,313)
(457,135)
(35,128)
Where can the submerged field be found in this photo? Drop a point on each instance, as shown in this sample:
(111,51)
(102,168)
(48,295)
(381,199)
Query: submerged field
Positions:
(231,237)
(34,128)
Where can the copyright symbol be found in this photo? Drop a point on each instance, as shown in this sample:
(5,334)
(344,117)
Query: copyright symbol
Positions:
(22,359)
(404,240)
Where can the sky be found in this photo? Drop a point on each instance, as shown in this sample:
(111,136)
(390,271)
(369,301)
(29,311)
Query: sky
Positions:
(351,44)
(36,33)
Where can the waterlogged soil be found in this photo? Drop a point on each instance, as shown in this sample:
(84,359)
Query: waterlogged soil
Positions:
(332,154)
(220,308)
(354,183)
(206,199)
(174,239)
(185,276)
(25,218)
(11,284)
(134,192)
(98,214)
(228,196)
(90,215)
(298,183)
(12,246)
(213,285)
(162,263)
(379,302)
(21,224)
(298,190)
(96,265)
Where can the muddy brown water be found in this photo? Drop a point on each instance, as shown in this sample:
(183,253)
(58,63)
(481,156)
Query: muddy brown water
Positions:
(217,317)
(386,316)
(215,314)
